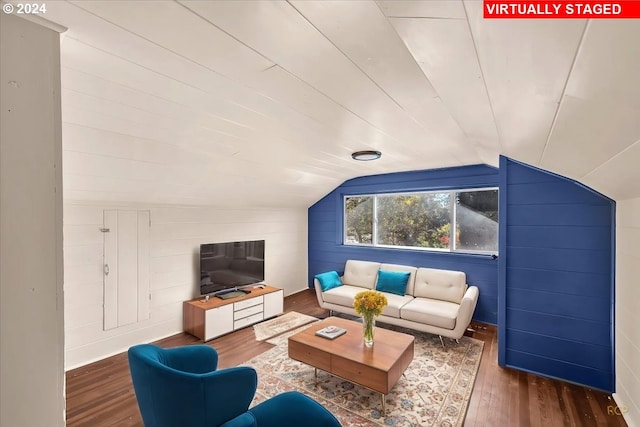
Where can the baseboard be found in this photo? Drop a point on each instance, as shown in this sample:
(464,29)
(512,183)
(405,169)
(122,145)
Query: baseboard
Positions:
(624,411)
(297,292)
(116,351)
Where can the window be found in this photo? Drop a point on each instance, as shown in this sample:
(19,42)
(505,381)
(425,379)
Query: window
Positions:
(359,219)
(477,221)
(459,220)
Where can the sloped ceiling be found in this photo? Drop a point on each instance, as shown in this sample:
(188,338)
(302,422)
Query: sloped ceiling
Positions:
(260,103)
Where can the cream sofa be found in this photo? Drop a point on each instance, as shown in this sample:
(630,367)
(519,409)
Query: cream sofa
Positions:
(436,301)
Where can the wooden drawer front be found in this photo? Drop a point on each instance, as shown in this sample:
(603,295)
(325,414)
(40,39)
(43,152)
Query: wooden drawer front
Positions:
(310,356)
(241,323)
(248,303)
(367,376)
(249,311)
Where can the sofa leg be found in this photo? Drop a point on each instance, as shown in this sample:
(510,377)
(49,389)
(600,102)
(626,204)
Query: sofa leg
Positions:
(441,341)
(458,341)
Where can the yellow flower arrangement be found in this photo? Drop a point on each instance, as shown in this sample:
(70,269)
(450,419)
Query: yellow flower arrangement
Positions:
(369,304)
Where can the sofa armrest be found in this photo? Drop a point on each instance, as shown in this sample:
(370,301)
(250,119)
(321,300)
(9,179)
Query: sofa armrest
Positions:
(467,307)
(318,288)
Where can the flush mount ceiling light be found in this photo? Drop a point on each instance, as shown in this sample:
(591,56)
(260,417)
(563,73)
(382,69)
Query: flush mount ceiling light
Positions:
(366,155)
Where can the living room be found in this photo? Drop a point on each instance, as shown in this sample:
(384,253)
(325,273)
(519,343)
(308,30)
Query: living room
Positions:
(222,133)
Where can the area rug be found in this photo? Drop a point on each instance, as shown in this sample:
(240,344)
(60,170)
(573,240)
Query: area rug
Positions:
(434,390)
(281,324)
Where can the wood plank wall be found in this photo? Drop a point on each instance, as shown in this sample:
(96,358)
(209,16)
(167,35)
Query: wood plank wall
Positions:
(627,314)
(556,277)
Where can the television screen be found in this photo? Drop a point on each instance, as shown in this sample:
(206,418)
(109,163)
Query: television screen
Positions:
(230,265)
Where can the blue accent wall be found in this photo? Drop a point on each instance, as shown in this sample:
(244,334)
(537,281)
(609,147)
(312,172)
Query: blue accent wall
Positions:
(556,277)
(326,251)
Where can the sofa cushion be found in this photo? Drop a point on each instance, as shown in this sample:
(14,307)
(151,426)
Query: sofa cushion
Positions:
(395,304)
(328,280)
(360,273)
(444,285)
(399,267)
(342,295)
(394,282)
(431,312)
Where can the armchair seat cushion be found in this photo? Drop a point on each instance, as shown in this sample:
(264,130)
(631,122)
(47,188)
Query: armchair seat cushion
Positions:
(294,407)
(245,420)
(434,312)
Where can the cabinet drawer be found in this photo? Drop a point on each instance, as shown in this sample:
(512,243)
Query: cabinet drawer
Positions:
(241,323)
(248,303)
(250,311)
(368,376)
(309,355)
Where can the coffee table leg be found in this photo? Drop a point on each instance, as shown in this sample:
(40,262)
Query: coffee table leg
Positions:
(315,376)
(384,406)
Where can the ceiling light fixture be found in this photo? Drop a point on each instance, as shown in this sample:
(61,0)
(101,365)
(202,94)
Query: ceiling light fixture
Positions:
(366,155)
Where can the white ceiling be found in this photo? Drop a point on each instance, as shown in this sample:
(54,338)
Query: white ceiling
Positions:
(261,103)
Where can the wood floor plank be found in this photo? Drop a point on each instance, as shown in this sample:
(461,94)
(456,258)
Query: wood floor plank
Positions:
(522,395)
(101,394)
(498,416)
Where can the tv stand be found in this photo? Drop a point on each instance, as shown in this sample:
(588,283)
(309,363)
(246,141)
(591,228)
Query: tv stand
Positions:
(215,317)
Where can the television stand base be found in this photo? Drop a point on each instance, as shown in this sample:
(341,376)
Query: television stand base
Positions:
(232,294)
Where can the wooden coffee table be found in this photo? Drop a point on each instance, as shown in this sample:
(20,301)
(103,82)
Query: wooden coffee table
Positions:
(377,368)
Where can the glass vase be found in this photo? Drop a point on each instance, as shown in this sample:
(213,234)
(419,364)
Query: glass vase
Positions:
(368,329)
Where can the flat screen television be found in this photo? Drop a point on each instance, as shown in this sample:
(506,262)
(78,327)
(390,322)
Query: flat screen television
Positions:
(230,265)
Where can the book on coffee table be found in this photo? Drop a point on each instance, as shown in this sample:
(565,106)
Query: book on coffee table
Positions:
(331,332)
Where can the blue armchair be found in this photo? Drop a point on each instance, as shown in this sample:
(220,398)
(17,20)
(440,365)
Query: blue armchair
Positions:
(181,387)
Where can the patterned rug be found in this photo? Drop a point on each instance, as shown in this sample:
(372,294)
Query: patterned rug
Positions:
(434,391)
(281,324)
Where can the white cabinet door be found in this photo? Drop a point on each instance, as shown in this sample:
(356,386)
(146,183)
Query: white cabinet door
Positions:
(218,321)
(273,304)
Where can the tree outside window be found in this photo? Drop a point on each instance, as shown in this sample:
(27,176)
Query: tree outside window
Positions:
(416,220)
(359,220)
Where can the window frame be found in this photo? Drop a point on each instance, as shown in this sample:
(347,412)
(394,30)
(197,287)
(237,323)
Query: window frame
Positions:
(453,221)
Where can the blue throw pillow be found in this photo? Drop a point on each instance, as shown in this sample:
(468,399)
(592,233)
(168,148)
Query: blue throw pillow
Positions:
(394,282)
(328,280)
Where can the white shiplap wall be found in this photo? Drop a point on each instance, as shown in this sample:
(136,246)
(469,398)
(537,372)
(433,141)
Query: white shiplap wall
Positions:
(627,316)
(176,233)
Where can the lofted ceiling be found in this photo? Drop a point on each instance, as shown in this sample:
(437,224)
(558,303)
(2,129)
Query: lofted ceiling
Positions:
(261,103)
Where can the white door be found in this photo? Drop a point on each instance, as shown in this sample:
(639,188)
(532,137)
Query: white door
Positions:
(126,267)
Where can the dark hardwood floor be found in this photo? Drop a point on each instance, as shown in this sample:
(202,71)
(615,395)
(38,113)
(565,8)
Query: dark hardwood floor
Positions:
(101,394)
